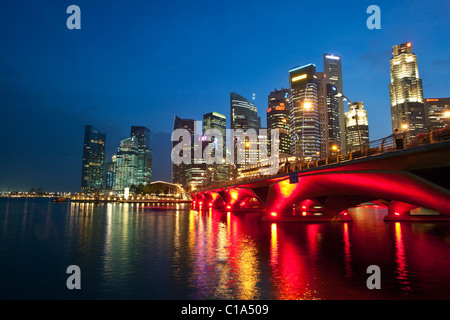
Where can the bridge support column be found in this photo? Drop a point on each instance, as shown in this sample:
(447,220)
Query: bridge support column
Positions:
(401,211)
(234,197)
(200,203)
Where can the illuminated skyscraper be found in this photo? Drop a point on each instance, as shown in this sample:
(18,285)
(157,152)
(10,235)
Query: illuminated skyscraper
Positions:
(244,116)
(243,113)
(438,112)
(179,170)
(111,173)
(304,112)
(278,118)
(216,172)
(332,65)
(127,163)
(92,171)
(357,132)
(405,90)
(330,130)
(144,169)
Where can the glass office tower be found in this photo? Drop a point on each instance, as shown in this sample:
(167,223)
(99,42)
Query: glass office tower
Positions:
(304,112)
(144,169)
(278,118)
(243,113)
(216,172)
(126,164)
(92,172)
(332,65)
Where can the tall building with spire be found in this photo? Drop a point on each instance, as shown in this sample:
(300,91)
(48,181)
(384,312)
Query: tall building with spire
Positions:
(405,90)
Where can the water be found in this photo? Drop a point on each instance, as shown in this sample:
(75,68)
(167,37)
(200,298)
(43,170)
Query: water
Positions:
(131,252)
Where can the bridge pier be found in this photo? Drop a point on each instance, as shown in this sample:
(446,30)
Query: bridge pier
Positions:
(401,211)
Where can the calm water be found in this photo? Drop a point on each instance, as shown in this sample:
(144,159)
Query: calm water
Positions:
(132,252)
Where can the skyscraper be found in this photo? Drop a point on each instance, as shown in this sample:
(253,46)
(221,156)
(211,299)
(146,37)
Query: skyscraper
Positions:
(438,112)
(330,130)
(243,113)
(193,174)
(405,90)
(179,170)
(92,172)
(216,172)
(278,118)
(304,112)
(244,116)
(357,132)
(332,65)
(323,117)
(144,169)
(333,119)
(111,173)
(126,164)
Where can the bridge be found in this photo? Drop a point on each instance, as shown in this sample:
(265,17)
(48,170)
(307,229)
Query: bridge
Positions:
(410,179)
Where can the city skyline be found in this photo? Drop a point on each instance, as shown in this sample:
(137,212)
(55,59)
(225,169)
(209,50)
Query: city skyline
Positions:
(79,86)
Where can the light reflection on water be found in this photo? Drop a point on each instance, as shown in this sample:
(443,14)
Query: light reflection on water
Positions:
(129,251)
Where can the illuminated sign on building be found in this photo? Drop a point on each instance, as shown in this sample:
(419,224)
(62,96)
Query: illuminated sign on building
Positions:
(303,76)
(332,57)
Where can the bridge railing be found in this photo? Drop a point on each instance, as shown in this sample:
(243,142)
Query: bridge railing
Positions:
(393,142)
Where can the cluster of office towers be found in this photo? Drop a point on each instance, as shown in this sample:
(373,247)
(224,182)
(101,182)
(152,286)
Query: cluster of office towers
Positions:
(311,117)
(131,166)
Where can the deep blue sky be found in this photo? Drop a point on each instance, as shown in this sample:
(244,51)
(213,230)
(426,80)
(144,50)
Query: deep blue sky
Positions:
(142,62)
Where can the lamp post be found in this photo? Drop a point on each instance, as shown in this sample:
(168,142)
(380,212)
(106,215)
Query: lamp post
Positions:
(356,118)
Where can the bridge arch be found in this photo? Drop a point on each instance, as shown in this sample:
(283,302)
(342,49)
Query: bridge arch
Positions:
(338,191)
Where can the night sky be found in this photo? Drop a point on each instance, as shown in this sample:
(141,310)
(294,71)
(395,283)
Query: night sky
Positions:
(143,62)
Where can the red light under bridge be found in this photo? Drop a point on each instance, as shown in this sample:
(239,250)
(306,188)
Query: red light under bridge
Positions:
(413,184)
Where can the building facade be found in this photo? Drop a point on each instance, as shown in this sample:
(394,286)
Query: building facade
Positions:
(243,116)
(92,172)
(357,127)
(111,173)
(127,163)
(216,172)
(333,74)
(405,90)
(304,112)
(278,118)
(179,170)
(144,167)
(438,112)
(243,113)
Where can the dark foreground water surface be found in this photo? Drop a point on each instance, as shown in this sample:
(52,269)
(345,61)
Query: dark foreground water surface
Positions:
(127,251)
